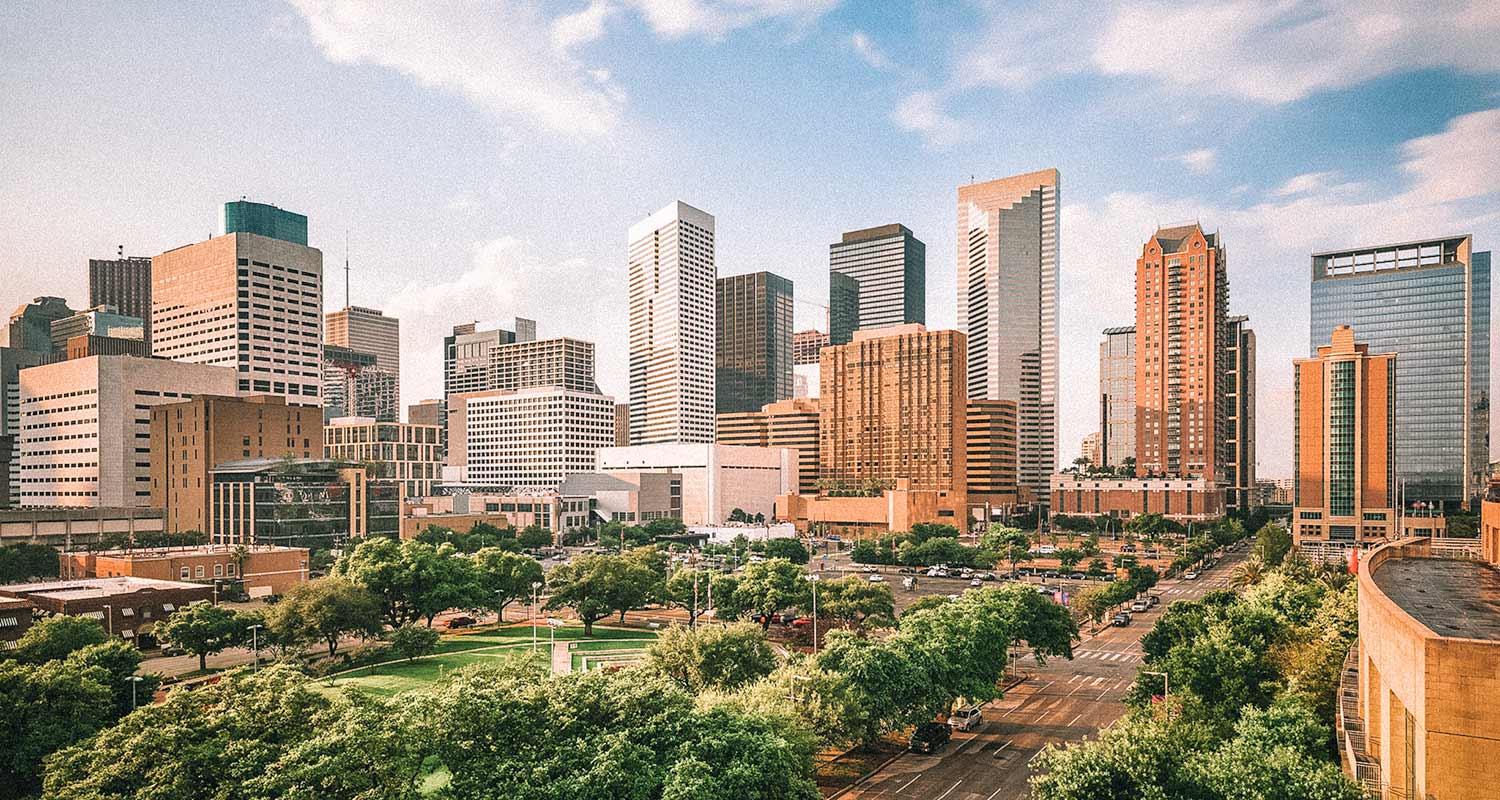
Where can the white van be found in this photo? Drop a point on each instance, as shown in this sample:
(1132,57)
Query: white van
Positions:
(966,718)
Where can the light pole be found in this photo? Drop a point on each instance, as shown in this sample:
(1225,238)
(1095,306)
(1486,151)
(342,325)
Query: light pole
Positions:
(536,587)
(1166,692)
(813,579)
(109,618)
(255,644)
(134,681)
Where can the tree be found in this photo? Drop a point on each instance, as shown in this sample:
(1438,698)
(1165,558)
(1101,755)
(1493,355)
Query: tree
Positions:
(1272,543)
(1046,626)
(857,602)
(1247,573)
(770,586)
(738,515)
(26,561)
(377,564)
(534,536)
(411,641)
(119,660)
(714,657)
(787,548)
(54,638)
(586,585)
(669,526)
(440,580)
(1069,557)
(202,629)
(688,589)
(882,684)
(44,708)
(326,609)
(1094,602)
(504,578)
(1011,544)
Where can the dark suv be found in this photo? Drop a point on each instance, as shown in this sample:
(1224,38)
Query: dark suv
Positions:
(929,737)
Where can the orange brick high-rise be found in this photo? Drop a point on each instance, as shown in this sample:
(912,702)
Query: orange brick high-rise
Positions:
(1182,329)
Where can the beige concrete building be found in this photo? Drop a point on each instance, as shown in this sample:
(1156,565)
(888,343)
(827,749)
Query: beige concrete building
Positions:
(893,406)
(1117,396)
(530,438)
(189,438)
(425,412)
(395,452)
(894,509)
(788,423)
(85,426)
(244,301)
(716,478)
(1344,444)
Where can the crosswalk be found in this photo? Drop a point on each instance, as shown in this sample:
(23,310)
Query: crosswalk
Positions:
(1106,655)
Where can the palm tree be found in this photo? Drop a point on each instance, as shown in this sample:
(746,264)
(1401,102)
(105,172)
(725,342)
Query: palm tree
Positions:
(1247,573)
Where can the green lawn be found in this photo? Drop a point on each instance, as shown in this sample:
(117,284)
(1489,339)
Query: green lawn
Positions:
(582,648)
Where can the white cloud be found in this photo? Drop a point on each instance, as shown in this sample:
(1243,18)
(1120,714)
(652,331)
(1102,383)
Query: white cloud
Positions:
(1269,51)
(1268,244)
(865,47)
(582,27)
(922,113)
(1200,161)
(675,19)
(500,56)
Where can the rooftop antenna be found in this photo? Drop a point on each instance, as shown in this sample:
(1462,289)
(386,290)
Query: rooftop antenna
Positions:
(120,250)
(346,268)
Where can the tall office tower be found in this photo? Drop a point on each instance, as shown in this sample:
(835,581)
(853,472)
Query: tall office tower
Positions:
(787,423)
(754,352)
(1088,449)
(245,301)
(560,361)
(85,437)
(97,321)
(1182,338)
(990,447)
(806,345)
(124,283)
(672,326)
(467,363)
(1007,306)
(533,437)
(889,267)
(1117,396)
(843,307)
(1344,446)
(31,324)
(424,412)
(243,216)
(1239,427)
(893,406)
(12,361)
(192,436)
(622,424)
(1427,301)
(355,385)
(367,330)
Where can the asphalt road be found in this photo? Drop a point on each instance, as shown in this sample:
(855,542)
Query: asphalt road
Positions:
(1062,701)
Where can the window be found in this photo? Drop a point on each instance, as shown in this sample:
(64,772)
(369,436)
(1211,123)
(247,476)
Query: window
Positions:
(198,571)
(185,573)
(218,570)
(230,569)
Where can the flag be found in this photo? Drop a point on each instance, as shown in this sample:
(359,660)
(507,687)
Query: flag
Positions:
(1354,560)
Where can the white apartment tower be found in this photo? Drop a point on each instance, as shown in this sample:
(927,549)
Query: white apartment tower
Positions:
(533,437)
(1007,306)
(245,301)
(672,327)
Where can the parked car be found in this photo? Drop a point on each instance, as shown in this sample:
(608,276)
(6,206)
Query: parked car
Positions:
(986,576)
(1153,599)
(966,719)
(460,622)
(976,582)
(906,571)
(802,622)
(833,537)
(1051,573)
(1192,576)
(1139,605)
(929,737)
(867,568)
(1044,589)
(1077,576)
(1122,619)
(877,578)
(787,618)
(1047,549)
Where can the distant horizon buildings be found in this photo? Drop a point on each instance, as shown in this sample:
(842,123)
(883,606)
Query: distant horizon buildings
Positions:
(1008,307)
(1117,396)
(806,345)
(888,266)
(753,350)
(1427,301)
(531,437)
(125,284)
(355,385)
(672,325)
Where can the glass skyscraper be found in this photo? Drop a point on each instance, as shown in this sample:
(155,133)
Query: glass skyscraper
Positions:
(243,216)
(754,342)
(1428,302)
(890,266)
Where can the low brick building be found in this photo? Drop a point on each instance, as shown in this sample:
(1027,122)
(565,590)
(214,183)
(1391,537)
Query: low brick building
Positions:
(15,619)
(1122,498)
(892,510)
(262,569)
(128,607)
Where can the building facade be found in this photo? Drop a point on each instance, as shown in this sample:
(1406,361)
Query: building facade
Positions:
(367,330)
(990,430)
(127,607)
(533,437)
(85,426)
(716,478)
(753,356)
(806,345)
(312,503)
(1344,443)
(261,569)
(672,325)
(125,284)
(425,412)
(893,406)
(843,307)
(1008,309)
(1182,340)
(12,361)
(622,424)
(406,454)
(247,302)
(1239,388)
(31,324)
(1182,499)
(190,437)
(355,385)
(103,321)
(889,268)
(791,424)
(1117,396)
(1427,301)
(243,216)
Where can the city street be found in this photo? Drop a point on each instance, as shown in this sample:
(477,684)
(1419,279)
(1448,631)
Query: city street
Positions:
(1062,701)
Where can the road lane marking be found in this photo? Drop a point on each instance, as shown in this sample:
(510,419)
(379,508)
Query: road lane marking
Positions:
(1075,719)
(908,783)
(950,789)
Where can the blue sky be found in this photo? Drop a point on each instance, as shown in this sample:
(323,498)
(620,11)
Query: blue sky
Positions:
(487,158)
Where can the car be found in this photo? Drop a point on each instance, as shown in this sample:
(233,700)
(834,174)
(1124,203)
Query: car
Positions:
(1153,599)
(906,571)
(966,718)
(867,568)
(460,622)
(1139,605)
(877,578)
(1051,573)
(1077,576)
(787,618)
(833,537)
(801,622)
(1129,548)
(976,583)
(1121,619)
(986,576)
(1192,576)
(1047,549)
(929,737)
(1044,589)
(952,597)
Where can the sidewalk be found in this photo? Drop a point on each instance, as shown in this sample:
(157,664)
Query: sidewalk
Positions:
(562,659)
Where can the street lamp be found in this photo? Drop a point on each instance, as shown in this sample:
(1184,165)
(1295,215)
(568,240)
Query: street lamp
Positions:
(813,579)
(109,618)
(255,644)
(1166,691)
(536,587)
(134,681)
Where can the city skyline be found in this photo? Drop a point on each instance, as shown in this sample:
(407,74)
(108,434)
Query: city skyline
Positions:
(1302,160)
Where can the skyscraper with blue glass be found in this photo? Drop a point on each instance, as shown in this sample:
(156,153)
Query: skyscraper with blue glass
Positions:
(1427,301)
